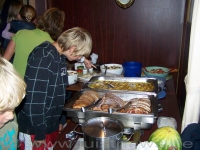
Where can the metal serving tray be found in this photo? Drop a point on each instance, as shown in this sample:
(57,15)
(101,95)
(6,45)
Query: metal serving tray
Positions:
(128,80)
(137,121)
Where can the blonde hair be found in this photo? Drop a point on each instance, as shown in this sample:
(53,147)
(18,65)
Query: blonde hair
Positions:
(13,11)
(12,86)
(78,37)
(28,13)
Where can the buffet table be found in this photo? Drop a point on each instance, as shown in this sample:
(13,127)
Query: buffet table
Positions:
(170,109)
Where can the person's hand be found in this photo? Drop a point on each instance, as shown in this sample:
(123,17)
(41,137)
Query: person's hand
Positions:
(39,143)
(88,64)
(60,128)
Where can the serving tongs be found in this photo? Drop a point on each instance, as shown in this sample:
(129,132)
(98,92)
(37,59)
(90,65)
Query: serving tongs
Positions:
(111,110)
(83,109)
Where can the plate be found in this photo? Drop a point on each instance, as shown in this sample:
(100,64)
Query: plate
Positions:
(162,94)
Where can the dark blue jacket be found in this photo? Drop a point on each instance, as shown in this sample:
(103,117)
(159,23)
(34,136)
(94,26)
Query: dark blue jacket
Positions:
(46,78)
(16,25)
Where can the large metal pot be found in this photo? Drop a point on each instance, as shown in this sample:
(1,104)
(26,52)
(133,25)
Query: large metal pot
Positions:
(102,133)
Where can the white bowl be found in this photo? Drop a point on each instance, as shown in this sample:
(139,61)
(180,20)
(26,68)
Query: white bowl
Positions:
(112,68)
(72,77)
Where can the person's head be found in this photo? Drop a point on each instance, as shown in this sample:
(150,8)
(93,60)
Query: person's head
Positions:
(76,40)
(12,90)
(27,13)
(13,11)
(52,22)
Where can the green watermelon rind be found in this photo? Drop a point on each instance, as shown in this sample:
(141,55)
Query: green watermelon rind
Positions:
(164,140)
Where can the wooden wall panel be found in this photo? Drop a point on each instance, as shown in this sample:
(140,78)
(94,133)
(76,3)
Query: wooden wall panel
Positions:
(149,31)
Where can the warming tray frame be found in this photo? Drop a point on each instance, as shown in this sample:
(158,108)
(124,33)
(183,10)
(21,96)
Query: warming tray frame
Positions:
(137,121)
(123,79)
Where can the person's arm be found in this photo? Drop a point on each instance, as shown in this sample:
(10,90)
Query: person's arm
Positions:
(10,50)
(87,63)
(6,34)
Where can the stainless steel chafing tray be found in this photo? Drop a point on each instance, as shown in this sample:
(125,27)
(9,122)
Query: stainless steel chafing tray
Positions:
(137,121)
(127,82)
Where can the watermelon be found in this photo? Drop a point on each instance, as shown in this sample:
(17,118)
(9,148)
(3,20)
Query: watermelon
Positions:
(166,138)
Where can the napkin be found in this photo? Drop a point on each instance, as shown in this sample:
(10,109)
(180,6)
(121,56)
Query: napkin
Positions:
(94,58)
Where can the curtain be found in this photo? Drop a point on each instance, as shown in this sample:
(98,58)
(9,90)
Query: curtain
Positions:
(192,79)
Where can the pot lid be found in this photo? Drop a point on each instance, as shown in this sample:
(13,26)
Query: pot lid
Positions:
(102,127)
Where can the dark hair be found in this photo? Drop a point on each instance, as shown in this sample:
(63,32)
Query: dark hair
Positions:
(52,21)
(28,13)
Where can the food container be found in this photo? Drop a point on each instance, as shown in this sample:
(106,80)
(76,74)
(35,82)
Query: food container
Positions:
(90,70)
(132,69)
(136,121)
(166,121)
(123,84)
(85,71)
(156,71)
(115,69)
(76,65)
(102,133)
(72,77)
(161,82)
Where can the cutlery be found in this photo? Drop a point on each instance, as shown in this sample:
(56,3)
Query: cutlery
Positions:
(92,105)
(105,69)
(111,110)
